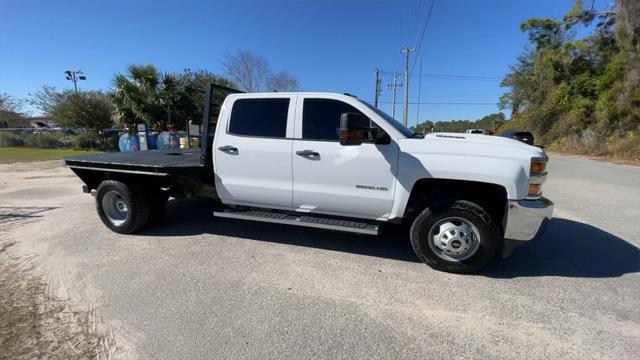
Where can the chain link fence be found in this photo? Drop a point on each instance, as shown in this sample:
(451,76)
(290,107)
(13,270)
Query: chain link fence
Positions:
(59,139)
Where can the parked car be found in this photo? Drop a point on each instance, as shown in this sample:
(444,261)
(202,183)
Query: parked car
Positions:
(475,131)
(522,136)
(112,131)
(335,162)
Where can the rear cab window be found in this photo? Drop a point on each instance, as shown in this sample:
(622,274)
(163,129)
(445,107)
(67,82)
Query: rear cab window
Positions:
(259,117)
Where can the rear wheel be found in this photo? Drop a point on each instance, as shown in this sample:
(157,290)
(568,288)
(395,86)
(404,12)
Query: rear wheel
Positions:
(122,208)
(455,236)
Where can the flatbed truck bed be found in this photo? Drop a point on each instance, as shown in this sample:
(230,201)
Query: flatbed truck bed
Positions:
(177,173)
(181,173)
(153,162)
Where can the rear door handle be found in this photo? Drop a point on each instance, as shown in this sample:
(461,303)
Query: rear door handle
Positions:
(228,148)
(307,153)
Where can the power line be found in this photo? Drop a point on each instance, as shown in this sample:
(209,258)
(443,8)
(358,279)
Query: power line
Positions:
(414,21)
(404,24)
(443,103)
(451,76)
(410,22)
(423,6)
(441,99)
(446,99)
(459,77)
(424,29)
(479,96)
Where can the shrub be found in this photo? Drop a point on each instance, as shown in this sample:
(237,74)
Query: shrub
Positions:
(11,139)
(628,148)
(111,143)
(84,141)
(44,140)
(621,148)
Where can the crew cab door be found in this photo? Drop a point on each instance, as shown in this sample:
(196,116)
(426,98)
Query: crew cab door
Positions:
(335,179)
(252,155)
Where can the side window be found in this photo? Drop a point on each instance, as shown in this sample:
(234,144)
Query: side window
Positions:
(259,117)
(321,118)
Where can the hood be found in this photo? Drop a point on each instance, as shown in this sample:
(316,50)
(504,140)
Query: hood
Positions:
(472,145)
(469,157)
(481,139)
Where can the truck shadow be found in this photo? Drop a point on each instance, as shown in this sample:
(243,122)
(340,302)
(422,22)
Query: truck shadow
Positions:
(195,217)
(570,249)
(567,248)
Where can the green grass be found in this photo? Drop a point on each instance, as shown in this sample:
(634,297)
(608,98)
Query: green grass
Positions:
(22,154)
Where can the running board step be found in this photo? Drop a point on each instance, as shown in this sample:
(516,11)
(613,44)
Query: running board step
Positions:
(303,220)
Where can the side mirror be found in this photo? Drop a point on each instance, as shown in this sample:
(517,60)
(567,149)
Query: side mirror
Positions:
(352,129)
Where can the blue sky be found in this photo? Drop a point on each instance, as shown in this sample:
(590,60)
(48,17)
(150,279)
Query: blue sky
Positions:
(329,45)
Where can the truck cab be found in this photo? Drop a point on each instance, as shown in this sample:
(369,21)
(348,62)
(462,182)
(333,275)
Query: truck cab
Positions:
(333,161)
(283,151)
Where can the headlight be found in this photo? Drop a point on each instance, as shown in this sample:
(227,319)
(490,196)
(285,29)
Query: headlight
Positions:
(537,176)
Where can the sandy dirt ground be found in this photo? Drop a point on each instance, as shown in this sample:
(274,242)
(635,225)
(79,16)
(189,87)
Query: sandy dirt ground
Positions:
(201,287)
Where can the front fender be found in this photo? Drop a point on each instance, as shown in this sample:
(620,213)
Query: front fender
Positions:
(509,173)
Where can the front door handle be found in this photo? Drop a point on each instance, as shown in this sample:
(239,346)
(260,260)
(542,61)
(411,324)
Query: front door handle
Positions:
(307,153)
(228,148)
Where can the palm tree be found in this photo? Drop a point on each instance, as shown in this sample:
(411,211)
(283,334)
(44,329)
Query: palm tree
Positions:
(145,95)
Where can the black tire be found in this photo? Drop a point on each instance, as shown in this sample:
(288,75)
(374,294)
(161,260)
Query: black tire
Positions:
(469,211)
(158,201)
(135,200)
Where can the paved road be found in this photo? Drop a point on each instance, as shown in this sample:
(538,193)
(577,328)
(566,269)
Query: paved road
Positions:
(199,287)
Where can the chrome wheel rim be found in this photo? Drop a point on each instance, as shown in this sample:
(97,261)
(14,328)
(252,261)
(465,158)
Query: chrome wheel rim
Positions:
(454,239)
(115,207)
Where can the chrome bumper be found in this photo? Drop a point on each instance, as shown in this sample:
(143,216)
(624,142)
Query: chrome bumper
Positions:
(524,218)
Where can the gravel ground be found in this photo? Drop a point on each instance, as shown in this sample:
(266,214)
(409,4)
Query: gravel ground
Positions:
(201,287)
(36,326)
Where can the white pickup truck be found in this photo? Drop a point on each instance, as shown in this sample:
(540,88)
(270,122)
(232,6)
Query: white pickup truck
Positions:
(335,162)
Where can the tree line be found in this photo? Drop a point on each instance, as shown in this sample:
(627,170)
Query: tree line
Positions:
(491,122)
(568,89)
(581,92)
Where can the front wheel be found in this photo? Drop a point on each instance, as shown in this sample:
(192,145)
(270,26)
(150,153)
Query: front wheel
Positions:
(455,236)
(122,208)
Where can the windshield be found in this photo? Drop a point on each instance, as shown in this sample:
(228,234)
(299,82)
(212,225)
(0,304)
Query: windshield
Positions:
(393,122)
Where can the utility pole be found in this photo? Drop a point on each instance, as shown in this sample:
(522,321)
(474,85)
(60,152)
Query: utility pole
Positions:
(419,88)
(393,87)
(405,116)
(377,94)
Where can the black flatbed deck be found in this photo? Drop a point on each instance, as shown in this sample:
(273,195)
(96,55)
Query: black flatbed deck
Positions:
(153,162)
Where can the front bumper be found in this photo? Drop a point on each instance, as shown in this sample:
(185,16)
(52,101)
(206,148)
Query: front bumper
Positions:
(524,218)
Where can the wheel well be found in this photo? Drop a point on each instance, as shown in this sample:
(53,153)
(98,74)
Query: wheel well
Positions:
(491,197)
